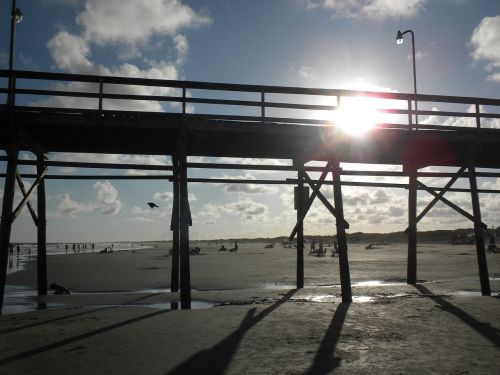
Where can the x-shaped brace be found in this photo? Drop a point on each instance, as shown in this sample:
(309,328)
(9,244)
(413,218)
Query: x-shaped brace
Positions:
(440,197)
(316,192)
(27,195)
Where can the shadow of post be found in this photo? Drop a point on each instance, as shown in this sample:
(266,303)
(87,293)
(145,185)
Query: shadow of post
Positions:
(216,359)
(484,329)
(324,360)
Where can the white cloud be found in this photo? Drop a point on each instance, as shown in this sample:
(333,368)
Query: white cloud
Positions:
(69,207)
(129,25)
(246,188)
(485,42)
(166,196)
(111,159)
(181,46)
(396,211)
(133,22)
(248,209)
(70,53)
(306,71)
(372,9)
(107,198)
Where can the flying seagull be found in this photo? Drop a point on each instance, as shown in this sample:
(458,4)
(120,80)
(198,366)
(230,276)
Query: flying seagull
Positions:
(153,205)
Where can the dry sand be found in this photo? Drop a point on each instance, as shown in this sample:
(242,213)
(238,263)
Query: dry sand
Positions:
(262,325)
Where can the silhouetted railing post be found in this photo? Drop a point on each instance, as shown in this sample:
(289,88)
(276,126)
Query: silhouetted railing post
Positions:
(345,276)
(263,104)
(174,227)
(6,220)
(41,231)
(478,231)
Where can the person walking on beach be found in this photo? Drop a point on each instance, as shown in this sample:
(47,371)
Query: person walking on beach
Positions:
(74,247)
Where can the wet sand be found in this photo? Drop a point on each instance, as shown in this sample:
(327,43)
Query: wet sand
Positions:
(119,318)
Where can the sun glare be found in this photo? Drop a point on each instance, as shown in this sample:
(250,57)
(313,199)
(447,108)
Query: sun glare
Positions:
(357,115)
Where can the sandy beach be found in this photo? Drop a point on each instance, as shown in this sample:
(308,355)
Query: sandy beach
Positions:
(249,318)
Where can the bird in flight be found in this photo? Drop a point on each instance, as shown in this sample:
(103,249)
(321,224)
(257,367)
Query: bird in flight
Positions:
(153,205)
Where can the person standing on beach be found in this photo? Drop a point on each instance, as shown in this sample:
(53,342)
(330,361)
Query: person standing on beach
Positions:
(93,245)
(18,249)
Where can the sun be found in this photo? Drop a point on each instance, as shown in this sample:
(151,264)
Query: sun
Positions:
(357,115)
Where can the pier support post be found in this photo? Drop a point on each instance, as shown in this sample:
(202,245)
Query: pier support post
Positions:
(41,231)
(174,227)
(6,220)
(300,206)
(345,276)
(478,231)
(184,229)
(411,271)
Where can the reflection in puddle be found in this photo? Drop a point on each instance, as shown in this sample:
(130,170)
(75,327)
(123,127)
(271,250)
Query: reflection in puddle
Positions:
(145,291)
(363,299)
(329,298)
(470,293)
(20,299)
(377,283)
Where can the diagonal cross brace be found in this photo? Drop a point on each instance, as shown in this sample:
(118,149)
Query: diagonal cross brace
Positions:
(438,197)
(309,202)
(451,204)
(322,198)
(26,198)
(23,190)
(316,192)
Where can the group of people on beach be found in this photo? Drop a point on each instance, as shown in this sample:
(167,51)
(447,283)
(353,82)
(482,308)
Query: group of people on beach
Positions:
(233,249)
(320,251)
(77,247)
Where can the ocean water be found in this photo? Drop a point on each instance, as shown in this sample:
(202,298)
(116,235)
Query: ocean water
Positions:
(27,251)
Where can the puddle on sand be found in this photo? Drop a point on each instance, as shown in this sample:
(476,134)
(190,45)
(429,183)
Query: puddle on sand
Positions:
(377,283)
(145,291)
(470,293)
(195,305)
(328,298)
(19,299)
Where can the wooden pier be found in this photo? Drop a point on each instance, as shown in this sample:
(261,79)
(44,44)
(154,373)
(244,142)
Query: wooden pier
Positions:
(277,123)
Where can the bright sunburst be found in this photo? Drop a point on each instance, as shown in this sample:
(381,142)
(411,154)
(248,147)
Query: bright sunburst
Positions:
(357,115)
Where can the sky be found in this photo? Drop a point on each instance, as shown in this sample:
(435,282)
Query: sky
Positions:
(341,44)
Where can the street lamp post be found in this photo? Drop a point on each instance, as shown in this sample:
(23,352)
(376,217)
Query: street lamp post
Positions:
(16,16)
(411,271)
(399,40)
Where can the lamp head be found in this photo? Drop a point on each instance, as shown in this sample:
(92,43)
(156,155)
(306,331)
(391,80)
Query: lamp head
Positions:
(18,15)
(399,37)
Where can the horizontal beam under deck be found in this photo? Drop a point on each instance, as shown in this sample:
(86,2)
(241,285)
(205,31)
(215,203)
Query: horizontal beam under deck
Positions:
(157,135)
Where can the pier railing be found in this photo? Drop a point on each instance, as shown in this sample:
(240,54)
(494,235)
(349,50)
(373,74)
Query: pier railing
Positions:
(76,93)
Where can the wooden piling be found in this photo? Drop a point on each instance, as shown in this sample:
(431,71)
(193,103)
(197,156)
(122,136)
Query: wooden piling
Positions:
(6,219)
(41,231)
(345,277)
(185,276)
(478,231)
(411,271)
(174,226)
(299,203)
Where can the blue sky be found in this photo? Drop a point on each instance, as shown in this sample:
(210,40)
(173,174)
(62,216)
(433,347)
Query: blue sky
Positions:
(309,43)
